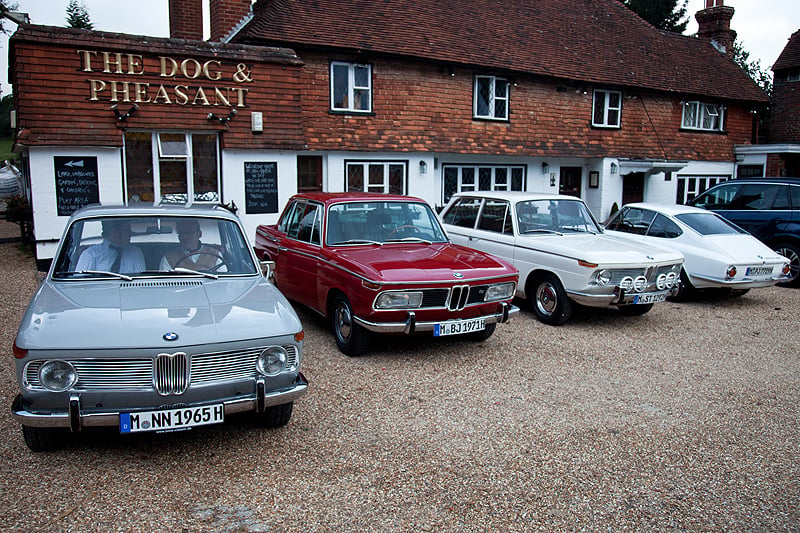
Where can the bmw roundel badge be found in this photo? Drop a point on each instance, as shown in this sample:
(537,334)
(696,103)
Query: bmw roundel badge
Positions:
(459,275)
(170,336)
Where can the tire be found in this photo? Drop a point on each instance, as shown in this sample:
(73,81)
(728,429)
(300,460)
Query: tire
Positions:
(480,336)
(549,300)
(351,339)
(277,415)
(635,310)
(686,291)
(43,439)
(792,253)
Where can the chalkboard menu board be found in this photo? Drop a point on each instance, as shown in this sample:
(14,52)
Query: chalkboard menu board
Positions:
(76,183)
(261,187)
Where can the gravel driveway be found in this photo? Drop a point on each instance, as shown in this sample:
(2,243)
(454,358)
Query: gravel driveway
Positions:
(685,419)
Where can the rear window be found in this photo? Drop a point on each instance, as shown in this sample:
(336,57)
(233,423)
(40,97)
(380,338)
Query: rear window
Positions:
(708,224)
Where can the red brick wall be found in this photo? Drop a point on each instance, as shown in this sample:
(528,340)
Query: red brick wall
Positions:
(186,19)
(55,105)
(422,107)
(785,113)
(225,14)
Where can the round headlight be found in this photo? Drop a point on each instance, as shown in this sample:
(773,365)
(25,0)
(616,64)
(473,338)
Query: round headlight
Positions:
(640,283)
(730,273)
(604,277)
(272,361)
(58,376)
(661,282)
(626,283)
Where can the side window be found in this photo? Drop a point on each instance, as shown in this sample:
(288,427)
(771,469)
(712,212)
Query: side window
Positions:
(755,197)
(782,198)
(664,228)
(289,215)
(719,198)
(307,228)
(795,196)
(463,213)
(634,221)
(495,217)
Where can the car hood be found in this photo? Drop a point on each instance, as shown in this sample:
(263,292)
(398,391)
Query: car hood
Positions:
(415,262)
(603,249)
(137,314)
(741,249)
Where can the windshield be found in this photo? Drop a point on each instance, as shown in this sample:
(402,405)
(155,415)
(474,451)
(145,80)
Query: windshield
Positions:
(709,224)
(559,216)
(131,246)
(379,222)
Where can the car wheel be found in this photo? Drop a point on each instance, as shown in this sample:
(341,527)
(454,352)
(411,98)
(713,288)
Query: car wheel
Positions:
(277,415)
(685,291)
(351,338)
(43,439)
(792,253)
(479,336)
(635,310)
(549,300)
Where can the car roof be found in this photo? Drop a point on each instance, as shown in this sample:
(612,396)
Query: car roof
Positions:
(144,209)
(328,198)
(516,196)
(788,180)
(668,209)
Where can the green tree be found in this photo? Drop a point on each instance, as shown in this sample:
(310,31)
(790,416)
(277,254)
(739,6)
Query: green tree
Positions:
(667,15)
(759,74)
(78,16)
(5,7)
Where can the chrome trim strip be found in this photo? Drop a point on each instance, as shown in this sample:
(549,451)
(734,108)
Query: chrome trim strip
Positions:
(111,418)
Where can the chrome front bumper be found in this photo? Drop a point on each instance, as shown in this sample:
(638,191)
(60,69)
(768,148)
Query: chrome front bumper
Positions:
(618,297)
(76,419)
(411,325)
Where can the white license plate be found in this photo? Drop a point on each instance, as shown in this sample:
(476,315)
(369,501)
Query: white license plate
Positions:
(457,327)
(650,298)
(759,271)
(171,419)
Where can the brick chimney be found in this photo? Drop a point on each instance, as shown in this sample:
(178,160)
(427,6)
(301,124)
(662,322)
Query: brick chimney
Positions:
(714,24)
(225,15)
(186,19)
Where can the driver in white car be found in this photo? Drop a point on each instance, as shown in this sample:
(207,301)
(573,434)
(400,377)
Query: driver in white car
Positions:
(191,253)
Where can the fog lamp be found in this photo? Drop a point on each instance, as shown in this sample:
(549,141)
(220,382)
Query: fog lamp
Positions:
(272,361)
(672,280)
(58,376)
(626,283)
(640,283)
(661,282)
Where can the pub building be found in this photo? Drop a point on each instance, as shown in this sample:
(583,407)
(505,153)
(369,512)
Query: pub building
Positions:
(295,95)
(120,119)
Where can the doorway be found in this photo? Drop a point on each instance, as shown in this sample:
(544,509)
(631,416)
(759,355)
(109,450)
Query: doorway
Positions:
(633,188)
(570,182)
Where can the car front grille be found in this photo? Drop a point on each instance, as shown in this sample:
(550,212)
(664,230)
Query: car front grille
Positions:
(650,274)
(454,298)
(164,374)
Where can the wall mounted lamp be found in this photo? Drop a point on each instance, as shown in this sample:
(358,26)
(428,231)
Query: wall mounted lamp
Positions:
(423,167)
(545,168)
(123,117)
(614,168)
(222,120)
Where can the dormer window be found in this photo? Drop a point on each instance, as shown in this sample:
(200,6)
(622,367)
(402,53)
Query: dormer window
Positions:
(491,98)
(351,87)
(607,109)
(702,116)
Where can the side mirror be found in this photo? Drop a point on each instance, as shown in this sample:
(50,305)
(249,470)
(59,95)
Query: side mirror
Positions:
(267,269)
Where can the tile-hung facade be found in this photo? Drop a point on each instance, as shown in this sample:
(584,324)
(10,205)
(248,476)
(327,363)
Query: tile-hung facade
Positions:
(122,119)
(584,98)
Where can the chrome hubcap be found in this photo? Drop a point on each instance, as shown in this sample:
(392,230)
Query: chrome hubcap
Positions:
(546,299)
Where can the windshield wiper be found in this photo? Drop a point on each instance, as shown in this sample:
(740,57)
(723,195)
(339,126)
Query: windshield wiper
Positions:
(357,241)
(194,272)
(410,239)
(96,273)
(542,230)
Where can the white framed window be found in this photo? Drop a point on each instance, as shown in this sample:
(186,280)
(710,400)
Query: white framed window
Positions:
(386,177)
(351,87)
(490,98)
(702,116)
(171,167)
(606,109)
(691,186)
(470,178)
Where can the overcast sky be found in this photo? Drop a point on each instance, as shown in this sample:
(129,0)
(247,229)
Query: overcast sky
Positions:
(763,26)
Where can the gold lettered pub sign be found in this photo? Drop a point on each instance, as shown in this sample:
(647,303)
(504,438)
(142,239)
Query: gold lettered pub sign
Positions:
(183,82)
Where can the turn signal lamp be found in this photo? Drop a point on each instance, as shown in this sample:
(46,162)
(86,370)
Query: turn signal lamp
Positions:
(19,353)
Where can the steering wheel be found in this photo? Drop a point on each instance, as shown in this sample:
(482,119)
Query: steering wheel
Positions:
(201,252)
(404,227)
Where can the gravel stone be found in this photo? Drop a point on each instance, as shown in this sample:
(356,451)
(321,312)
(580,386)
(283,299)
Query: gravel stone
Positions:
(684,419)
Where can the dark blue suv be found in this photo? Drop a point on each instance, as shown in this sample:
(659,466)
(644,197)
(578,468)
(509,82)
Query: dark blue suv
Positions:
(769,208)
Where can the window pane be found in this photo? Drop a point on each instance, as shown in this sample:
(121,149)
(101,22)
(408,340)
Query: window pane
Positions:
(613,117)
(173,181)
(450,182)
(484,96)
(139,167)
(599,107)
(517,181)
(204,162)
(500,109)
(613,100)
(468,177)
(355,177)
(396,181)
(172,145)
(339,96)
(361,100)
(376,174)
(361,75)
(485,179)
(501,179)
